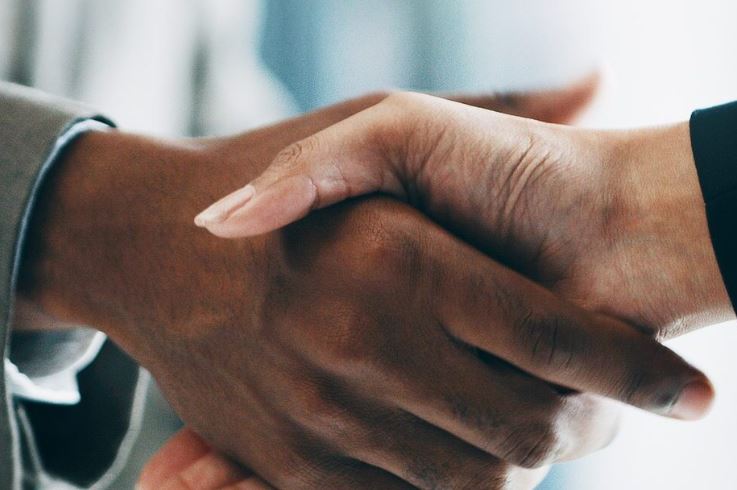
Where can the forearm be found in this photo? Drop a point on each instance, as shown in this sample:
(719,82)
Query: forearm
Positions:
(662,198)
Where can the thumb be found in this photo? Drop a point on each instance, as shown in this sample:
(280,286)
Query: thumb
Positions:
(343,161)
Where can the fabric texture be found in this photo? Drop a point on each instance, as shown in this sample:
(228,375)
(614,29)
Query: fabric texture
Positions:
(31,123)
(714,142)
(43,365)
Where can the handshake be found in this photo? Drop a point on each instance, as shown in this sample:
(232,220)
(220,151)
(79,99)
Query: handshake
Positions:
(418,293)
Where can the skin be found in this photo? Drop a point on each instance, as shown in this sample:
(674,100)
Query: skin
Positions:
(364,347)
(520,190)
(612,220)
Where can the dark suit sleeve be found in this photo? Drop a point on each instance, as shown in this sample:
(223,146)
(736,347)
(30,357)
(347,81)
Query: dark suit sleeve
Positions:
(714,142)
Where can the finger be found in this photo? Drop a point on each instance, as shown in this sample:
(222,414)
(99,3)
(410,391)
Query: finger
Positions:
(210,472)
(428,457)
(558,105)
(182,450)
(496,409)
(499,311)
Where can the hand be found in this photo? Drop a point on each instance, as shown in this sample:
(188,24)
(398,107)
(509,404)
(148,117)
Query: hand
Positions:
(612,220)
(260,345)
(187,462)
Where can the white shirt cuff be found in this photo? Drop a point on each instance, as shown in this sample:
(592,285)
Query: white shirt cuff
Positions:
(59,384)
(60,387)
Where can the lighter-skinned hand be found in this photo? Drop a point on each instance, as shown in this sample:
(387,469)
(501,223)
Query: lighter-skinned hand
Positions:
(363,347)
(614,221)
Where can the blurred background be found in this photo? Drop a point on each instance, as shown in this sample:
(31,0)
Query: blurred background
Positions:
(189,67)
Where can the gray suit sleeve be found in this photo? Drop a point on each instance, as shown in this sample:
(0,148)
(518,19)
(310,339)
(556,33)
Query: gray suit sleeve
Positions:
(39,442)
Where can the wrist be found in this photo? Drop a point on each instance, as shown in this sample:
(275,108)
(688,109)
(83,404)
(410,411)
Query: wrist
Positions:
(112,243)
(658,174)
(660,195)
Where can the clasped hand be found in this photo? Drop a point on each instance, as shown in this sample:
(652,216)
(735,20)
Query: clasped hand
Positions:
(376,343)
(381,351)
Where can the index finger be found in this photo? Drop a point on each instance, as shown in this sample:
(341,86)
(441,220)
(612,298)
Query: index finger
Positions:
(498,311)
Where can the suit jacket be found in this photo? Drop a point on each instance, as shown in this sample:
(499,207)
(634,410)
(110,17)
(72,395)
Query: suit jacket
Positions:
(715,152)
(40,443)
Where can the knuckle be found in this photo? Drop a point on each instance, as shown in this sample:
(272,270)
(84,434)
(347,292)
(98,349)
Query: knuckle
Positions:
(387,247)
(299,471)
(549,339)
(495,476)
(485,421)
(492,474)
(532,445)
(293,154)
(350,344)
(398,252)
(632,387)
(531,442)
(490,294)
(427,474)
(304,477)
(318,410)
(365,349)
(418,114)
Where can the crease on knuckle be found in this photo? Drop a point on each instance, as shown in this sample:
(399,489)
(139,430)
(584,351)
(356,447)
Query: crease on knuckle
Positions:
(392,249)
(293,154)
(493,475)
(350,345)
(427,474)
(317,409)
(303,470)
(485,422)
(632,387)
(549,341)
(531,446)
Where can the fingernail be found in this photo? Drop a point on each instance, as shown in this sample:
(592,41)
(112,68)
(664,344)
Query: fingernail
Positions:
(693,402)
(219,212)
